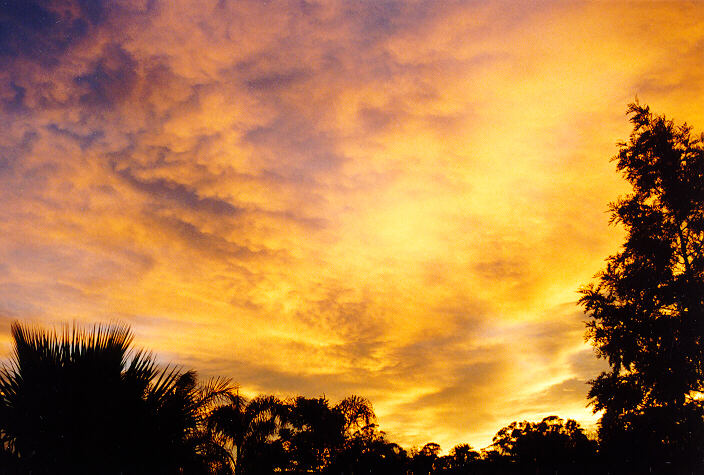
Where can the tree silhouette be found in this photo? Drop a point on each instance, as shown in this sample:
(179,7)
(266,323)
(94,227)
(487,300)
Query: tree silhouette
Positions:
(357,413)
(545,445)
(337,439)
(461,457)
(368,451)
(250,429)
(425,460)
(365,449)
(314,431)
(83,402)
(647,307)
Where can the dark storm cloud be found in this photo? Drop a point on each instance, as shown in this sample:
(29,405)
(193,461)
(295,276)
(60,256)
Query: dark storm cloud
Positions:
(84,141)
(205,243)
(95,10)
(338,310)
(261,377)
(509,269)
(377,21)
(179,194)
(380,119)
(12,152)
(16,102)
(669,79)
(298,145)
(111,80)
(276,80)
(292,217)
(43,30)
(77,265)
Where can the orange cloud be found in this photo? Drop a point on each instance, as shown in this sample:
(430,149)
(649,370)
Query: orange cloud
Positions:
(391,199)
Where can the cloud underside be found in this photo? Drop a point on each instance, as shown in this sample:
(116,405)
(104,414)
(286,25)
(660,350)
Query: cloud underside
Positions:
(388,199)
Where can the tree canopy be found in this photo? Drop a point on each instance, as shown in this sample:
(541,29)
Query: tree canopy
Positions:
(551,442)
(646,308)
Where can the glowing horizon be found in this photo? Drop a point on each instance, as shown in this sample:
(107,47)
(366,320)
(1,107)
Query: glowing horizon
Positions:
(389,199)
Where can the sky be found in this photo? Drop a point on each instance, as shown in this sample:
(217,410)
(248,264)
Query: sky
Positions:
(398,200)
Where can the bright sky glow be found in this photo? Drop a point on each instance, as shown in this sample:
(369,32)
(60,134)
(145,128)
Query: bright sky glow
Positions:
(392,199)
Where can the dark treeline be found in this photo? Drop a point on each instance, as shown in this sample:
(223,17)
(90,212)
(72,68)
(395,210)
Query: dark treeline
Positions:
(82,401)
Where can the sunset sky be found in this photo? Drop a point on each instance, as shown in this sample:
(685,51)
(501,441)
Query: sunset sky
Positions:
(398,200)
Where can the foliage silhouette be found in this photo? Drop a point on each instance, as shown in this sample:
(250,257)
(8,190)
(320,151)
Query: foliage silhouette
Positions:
(368,451)
(546,446)
(357,413)
(314,431)
(81,401)
(647,307)
(425,460)
(249,428)
(461,457)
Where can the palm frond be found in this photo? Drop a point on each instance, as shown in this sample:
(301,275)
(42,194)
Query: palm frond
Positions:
(86,390)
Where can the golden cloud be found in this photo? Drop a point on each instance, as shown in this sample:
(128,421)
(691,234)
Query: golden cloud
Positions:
(396,200)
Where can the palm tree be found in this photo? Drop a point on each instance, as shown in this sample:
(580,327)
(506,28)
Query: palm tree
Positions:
(313,433)
(249,427)
(358,413)
(82,401)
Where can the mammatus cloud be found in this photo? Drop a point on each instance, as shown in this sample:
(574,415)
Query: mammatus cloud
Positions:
(390,199)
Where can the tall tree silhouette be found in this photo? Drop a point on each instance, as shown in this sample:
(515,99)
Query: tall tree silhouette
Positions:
(83,402)
(647,307)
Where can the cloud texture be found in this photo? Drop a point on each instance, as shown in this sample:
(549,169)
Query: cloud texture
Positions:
(394,199)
